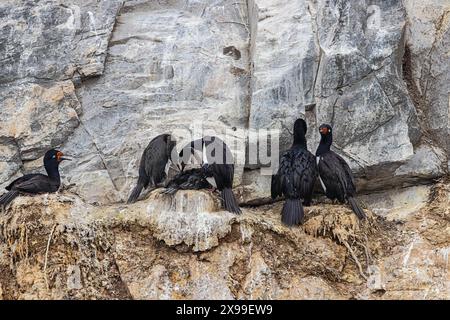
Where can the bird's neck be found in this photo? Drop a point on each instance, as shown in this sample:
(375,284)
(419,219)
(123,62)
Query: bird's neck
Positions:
(53,172)
(324,145)
(299,139)
(204,157)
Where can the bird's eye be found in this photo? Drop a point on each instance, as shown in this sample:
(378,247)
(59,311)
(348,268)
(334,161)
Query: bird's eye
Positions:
(54,156)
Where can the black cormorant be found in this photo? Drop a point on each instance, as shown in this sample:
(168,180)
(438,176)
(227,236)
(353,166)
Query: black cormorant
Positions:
(335,175)
(154,164)
(296,177)
(193,179)
(36,183)
(218,164)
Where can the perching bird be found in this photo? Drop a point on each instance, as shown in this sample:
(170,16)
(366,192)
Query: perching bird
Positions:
(154,164)
(296,177)
(218,164)
(193,179)
(36,183)
(335,175)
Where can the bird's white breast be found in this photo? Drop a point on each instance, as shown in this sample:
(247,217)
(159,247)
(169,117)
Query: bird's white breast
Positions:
(318,158)
(205,159)
(212,181)
(166,169)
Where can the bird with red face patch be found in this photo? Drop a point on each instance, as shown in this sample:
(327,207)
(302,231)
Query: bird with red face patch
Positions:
(36,183)
(335,175)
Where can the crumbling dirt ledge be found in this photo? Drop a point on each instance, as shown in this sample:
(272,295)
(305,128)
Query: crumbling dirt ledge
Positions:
(57,247)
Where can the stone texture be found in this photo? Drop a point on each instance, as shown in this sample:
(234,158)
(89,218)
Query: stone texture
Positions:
(360,87)
(191,218)
(54,40)
(428,63)
(397,203)
(285,65)
(47,117)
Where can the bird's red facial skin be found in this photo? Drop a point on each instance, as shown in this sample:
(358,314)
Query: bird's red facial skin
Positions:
(323,130)
(59,155)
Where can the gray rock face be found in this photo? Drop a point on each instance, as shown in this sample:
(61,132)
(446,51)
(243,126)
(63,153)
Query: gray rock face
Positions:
(285,65)
(100,79)
(46,48)
(428,63)
(37,116)
(54,40)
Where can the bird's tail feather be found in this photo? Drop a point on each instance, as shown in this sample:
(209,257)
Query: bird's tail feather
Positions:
(292,213)
(8,197)
(135,193)
(229,201)
(356,208)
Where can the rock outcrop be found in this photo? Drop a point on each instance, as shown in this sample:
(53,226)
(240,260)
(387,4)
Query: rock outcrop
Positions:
(59,247)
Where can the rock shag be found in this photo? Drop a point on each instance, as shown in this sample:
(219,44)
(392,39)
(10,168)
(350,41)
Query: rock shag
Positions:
(154,164)
(36,183)
(218,164)
(193,179)
(296,177)
(335,175)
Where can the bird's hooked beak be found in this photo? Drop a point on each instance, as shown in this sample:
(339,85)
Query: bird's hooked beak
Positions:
(323,130)
(60,157)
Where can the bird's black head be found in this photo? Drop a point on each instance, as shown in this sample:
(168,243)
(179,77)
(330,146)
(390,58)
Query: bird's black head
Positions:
(299,133)
(325,129)
(300,124)
(54,156)
(326,139)
(52,159)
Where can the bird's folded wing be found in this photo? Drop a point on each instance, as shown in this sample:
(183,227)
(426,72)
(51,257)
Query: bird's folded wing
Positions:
(305,173)
(155,160)
(22,179)
(330,173)
(36,184)
(347,175)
